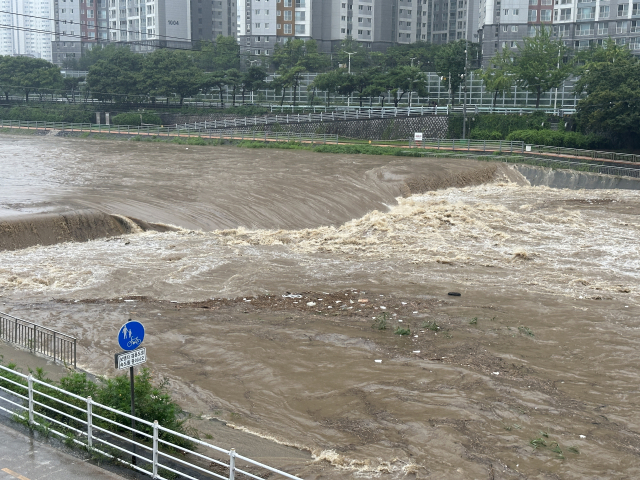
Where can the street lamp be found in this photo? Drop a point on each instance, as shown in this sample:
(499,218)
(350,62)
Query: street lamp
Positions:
(464,100)
(353,53)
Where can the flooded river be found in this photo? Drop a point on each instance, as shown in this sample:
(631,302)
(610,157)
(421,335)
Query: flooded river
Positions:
(542,343)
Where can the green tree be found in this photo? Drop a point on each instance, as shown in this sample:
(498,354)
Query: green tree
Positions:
(450,62)
(403,80)
(330,82)
(292,60)
(6,75)
(214,80)
(421,53)
(360,58)
(539,66)
(72,86)
(35,75)
(116,77)
(253,79)
(170,72)
(498,76)
(611,81)
(221,55)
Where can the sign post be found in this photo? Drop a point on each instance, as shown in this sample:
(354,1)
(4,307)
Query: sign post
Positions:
(130,337)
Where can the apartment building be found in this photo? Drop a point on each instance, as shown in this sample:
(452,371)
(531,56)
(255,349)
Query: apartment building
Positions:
(147,24)
(78,25)
(450,20)
(210,18)
(372,22)
(263,23)
(579,23)
(25,28)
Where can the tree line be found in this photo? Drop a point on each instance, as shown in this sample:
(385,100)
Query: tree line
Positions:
(608,74)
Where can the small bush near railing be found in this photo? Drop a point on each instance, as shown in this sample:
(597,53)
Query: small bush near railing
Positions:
(152,401)
(559,139)
(136,119)
(478,134)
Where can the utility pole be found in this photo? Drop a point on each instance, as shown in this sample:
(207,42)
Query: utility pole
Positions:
(555,101)
(464,100)
(350,60)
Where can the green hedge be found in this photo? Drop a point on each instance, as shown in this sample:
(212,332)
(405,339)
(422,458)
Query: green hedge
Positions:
(559,139)
(492,122)
(136,119)
(50,113)
(479,134)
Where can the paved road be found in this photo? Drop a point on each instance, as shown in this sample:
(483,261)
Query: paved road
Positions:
(23,458)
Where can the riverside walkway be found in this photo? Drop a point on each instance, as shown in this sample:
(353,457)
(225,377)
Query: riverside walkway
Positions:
(23,458)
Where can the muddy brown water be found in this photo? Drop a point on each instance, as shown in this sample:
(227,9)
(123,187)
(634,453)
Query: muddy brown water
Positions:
(542,343)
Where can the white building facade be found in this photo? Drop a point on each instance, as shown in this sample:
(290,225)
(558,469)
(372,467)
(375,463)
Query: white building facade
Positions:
(146,24)
(25,28)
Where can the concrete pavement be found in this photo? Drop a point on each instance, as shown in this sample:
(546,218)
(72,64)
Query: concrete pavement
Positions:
(23,458)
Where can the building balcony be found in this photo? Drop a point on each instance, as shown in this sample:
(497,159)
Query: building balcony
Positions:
(584,33)
(586,16)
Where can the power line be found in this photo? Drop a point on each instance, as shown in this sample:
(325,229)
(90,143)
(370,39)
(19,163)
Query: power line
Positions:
(84,37)
(85,24)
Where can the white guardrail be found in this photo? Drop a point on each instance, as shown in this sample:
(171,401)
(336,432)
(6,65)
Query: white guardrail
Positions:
(520,147)
(95,427)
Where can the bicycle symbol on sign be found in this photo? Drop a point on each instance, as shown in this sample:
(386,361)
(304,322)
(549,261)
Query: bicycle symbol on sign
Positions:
(126,333)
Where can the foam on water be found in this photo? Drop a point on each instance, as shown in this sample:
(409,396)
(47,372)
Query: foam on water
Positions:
(552,240)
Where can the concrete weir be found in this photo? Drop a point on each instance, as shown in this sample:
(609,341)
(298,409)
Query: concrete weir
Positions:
(541,176)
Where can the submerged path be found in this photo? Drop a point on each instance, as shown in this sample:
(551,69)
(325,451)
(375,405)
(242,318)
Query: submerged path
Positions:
(23,458)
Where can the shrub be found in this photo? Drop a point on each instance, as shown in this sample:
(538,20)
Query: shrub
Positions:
(136,119)
(152,401)
(52,113)
(558,139)
(479,134)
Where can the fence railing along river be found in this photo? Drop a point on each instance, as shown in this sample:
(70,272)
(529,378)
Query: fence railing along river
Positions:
(45,341)
(103,431)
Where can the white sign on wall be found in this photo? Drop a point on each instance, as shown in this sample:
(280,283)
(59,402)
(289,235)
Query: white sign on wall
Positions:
(417,136)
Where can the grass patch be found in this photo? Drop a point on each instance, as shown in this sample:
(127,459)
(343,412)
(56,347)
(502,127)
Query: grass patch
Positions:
(474,321)
(526,331)
(431,326)
(380,322)
(402,331)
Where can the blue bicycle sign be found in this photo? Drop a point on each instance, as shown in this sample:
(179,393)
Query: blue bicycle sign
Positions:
(131,335)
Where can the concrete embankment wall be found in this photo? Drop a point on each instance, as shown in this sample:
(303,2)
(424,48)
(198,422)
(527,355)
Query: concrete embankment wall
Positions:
(540,176)
(432,126)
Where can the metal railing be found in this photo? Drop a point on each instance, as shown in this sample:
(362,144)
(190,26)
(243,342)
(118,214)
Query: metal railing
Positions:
(103,430)
(542,162)
(183,130)
(520,147)
(38,339)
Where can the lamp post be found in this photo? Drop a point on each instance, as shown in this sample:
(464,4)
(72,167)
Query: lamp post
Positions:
(555,101)
(464,99)
(353,53)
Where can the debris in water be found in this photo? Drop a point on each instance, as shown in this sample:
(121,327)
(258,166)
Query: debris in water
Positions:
(363,300)
(495,373)
(581,436)
(378,361)
(383,308)
(454,294)
(311,304)
(416,351)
